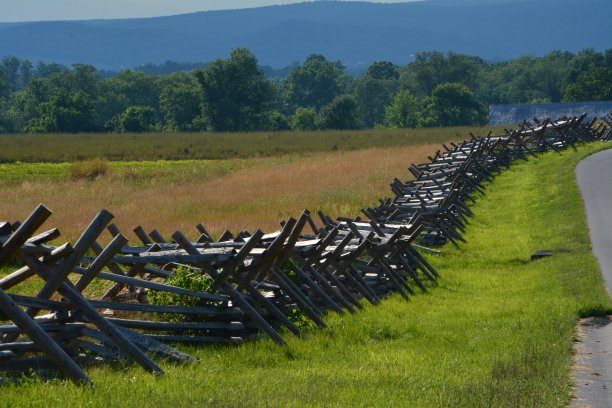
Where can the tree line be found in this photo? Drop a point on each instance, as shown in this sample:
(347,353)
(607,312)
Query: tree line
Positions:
(235,94)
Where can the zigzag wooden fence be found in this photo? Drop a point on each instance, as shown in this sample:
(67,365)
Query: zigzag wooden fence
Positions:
(606,128)
(257,281)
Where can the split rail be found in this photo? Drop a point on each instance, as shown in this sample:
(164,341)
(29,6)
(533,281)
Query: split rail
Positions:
(98,304)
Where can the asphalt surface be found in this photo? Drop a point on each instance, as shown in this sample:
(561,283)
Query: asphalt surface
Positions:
(594,175)
(593,374)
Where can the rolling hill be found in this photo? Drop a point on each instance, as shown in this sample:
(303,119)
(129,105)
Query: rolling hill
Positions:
(357,33)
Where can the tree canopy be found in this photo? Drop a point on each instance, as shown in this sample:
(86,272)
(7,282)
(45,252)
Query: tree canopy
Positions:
(340,113)
(65,113)
(314,84)
(404,111)
(234,94)
(453,104)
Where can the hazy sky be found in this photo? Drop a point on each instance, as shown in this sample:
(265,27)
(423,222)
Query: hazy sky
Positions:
(31,10)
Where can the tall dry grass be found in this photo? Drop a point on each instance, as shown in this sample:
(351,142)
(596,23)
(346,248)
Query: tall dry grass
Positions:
(58,148)
(339,183)
(89,169)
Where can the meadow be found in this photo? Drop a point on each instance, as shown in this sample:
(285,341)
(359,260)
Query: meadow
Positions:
(498,331)
(58,148)
(227,181)
(233,194)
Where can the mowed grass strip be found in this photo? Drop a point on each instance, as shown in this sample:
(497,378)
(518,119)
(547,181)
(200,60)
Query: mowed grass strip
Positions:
(233,194)
(58,148)
(498,331)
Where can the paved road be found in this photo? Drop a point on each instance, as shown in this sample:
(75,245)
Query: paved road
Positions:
(593,374)
(594,176)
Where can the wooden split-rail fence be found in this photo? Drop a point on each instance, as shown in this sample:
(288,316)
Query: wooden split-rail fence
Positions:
(606,128)
(93,304)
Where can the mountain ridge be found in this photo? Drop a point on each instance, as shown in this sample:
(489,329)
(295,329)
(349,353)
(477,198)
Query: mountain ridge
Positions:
(357,33)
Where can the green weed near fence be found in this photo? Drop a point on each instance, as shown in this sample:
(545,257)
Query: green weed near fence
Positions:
(499,330)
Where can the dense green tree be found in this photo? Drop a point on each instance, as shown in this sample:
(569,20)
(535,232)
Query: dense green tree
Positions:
(404,111)
(128,88)
(109,106)
(85,78)
(236,95)
(18,73)
(180,105)
(82,78)
(592,85)
(384,70)
(550,74)
(304,119)
(315,83)
(44,70)
(583,61)
(372,95)
(10,66)
(454,104)
(607,60)
(513,82)
(140,89)
(136,119)
(5,87)
(65,113)
(25,73)
(277,122)
(430,69)
(11,119)
(28,99)
(588,76)
(341,113)
(528,79)
(374,91)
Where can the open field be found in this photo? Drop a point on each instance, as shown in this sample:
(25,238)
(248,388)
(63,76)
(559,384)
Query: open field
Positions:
(183,146)
(497,332)
(223,194)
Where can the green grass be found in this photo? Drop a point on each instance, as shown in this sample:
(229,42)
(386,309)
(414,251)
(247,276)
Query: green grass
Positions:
(159,171)
(499,331)
(57,148)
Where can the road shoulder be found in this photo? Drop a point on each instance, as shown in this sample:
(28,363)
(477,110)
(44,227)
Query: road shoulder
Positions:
(593,363)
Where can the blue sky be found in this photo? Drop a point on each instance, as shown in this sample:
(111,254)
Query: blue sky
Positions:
(33,10)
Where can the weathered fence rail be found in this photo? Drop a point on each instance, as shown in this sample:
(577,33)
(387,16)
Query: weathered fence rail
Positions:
(255,283)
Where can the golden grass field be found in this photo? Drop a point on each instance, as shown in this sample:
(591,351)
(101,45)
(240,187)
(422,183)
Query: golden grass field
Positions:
(222,194)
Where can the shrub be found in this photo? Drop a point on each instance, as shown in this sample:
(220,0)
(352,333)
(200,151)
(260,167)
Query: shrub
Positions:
(134,119)
(341,113)
(277,122)
(184,278)
(296,315)
(304,119)
(404,112)
(89,169)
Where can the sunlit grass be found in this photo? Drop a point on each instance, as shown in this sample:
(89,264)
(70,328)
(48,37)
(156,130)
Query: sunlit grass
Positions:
(233,194)
(59,148)
(498,332)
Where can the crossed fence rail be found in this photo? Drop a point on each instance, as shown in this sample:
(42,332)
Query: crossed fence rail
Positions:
(257,281)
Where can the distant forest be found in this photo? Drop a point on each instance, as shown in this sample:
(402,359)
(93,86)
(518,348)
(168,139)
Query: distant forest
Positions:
(237,94)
